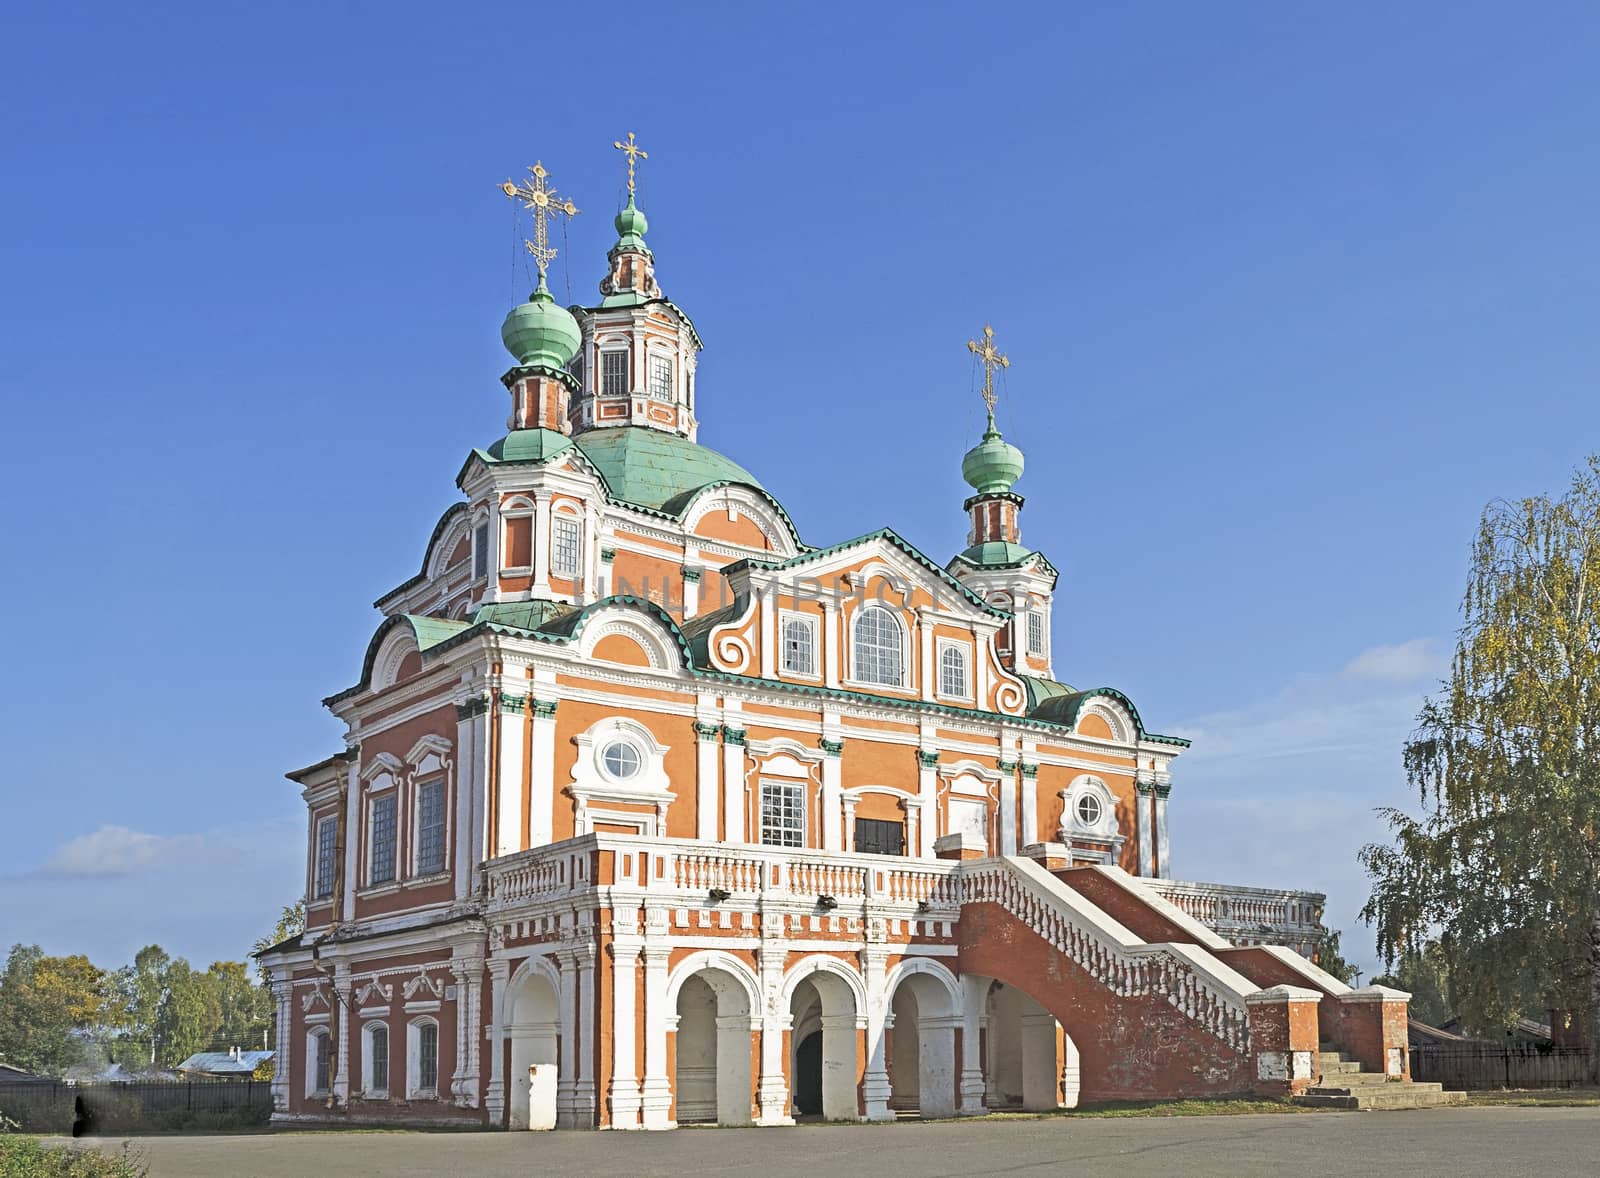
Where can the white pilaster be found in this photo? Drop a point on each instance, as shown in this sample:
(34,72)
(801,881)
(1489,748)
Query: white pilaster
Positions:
(772,1090)
(283,995)
(542,766)
(928,800)
(468,972)
(586,1026)
(927,674)
(691,592)
(623,1096)
(1142,793)
(541,544)
(1008,809)
(974,995)
(830,642)
(352,838)
(875,1088)
(1030,801)
(567,1005)
(466,860)
(508,775)
(342,1004)
(494,1097)
(705,775)
(1163,846)
(656,1093)
(733,786)
(832,786)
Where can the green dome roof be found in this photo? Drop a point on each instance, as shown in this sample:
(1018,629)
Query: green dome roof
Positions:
(539,333)
(652,468)
(529,445)
(996,554)
(993,465)
(631,227)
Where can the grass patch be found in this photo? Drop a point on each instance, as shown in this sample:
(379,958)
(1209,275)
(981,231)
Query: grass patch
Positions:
(1218,1106)
(28,1157)
(1536,1098)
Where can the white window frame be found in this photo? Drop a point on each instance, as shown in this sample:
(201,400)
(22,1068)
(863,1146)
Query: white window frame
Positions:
(519,508)
(658,361)
(782,826)
(856,674)
(441,780)
(415,1089)
(963,650)
(557,520)
(1038,640)
(373,801)
(481,562)
(603,385)
(367,1036)
(318,896)
(314,1037)
(787,618)
(640,762)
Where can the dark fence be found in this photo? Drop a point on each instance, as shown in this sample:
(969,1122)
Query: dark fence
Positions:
(1479,1066)
(147,1105)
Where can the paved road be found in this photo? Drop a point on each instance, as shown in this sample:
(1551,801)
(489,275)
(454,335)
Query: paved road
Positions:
(1465,1141)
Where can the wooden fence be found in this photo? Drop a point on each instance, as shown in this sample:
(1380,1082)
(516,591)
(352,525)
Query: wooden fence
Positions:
(58,1107)
(1480,1066)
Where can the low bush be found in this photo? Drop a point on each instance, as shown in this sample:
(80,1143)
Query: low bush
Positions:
(27,1157)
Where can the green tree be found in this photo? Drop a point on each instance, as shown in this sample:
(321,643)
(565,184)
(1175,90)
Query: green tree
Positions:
(291,923)
(46,1006)
(190,1015)
(246,1007)
(144,992)
(1330,956)
(1503,865)
(1425,975)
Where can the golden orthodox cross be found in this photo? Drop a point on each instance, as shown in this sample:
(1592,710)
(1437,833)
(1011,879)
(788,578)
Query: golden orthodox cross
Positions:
(634,152)
(992,359)
(541,198)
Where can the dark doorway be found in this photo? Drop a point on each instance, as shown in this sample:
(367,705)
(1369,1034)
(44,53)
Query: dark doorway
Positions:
(874,836)
(808,1076)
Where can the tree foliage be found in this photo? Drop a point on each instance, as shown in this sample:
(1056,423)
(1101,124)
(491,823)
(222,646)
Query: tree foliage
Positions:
(45,1002)
(1330,956)
(1503,863)
(1425,975)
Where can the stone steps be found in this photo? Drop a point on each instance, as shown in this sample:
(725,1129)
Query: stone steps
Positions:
(1343,1084)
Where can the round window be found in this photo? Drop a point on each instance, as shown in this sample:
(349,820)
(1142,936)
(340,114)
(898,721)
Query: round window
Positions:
(620,760)
(1089,810)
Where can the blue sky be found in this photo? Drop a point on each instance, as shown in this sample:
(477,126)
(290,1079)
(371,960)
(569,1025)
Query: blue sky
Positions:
(1289,294)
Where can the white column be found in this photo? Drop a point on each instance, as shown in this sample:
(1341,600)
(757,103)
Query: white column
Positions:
(623,1096)
(542,771)
(850,823)
(875,1084)
(508,774)
(283,996)
(586,1027)
(466,860)
(769,634)
(567,1008)
(691,592)
(936,1053)
(342,1004)
(656,1094)
(1030,804)
(705,779)
(926,674)
(772,1091)
(832,787)
(541,545)
(1008,808)
(494,1097)
(491,588)
(928,797)
(1142,793)
(352,838)
(468,973)
(830,642)
(974,995)
(733,787)
(1163,847)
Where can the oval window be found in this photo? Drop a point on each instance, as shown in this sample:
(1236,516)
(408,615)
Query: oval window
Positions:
(620,760)
(1089,810)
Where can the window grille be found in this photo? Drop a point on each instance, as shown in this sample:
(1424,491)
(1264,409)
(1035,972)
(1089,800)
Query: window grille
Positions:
(378,1050)
(1035,632)
(327,845)
(783,814)
(382,832)
(566,546)
(428,1057)
(798,644)
(480,551)
(877,654)
(323,1061)
(614,373)
(661,384)
(953,671)
(430,827)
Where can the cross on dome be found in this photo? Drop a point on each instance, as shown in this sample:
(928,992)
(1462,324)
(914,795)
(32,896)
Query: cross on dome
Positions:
(992,359)
(634,153)
(540,197)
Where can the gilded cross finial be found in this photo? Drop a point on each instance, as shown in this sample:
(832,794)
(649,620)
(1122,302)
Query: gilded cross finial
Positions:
(634,152)
(540,196)
(992,359)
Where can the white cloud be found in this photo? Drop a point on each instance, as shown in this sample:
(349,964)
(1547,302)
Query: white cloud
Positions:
(114,851)
(1406,662)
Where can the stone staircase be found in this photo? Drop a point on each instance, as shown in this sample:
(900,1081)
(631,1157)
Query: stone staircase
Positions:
(1343,1084)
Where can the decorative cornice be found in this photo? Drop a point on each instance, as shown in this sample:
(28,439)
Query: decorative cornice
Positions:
(545,709)
(476,706)
(514,704)
(706,731)
(691,575)
(733,736)
(927,759)
(1029,769)
(832,748)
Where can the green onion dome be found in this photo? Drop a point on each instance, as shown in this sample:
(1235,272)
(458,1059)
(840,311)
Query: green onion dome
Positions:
(539,333)
(631,227)
(993,465)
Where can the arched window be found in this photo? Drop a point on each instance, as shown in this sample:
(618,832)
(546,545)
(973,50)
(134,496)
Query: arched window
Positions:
(953,670)
(422,1058)
(319,1061)
(877,647)
(377,1056)
(798,646)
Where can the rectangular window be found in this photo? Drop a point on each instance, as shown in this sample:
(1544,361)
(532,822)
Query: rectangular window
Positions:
(661,378)
(614,374)
(798,646)
(1035,632)
(877,836)
(783,808)
(566,546)
(381,832)
(430,827)
(427,1057)
(480,551)
(323,1060)
(327,845)
(378,1048)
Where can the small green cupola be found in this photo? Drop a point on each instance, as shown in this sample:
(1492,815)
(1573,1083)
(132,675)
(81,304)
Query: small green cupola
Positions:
(994,465)
(631,228)
(539,334)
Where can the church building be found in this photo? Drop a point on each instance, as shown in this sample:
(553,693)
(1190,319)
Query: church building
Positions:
(651,812)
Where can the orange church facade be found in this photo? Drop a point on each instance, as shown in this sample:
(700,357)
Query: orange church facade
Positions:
(650,813)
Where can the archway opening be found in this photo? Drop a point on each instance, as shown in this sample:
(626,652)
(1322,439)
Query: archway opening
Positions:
(534,1027)
(825,1065)
(713,1050)
(921,1049)
(1030,1062)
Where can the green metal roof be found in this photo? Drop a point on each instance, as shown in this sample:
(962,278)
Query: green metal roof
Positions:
(996,554)
(651,467)
(528,445)
(1040,689)
(522,615)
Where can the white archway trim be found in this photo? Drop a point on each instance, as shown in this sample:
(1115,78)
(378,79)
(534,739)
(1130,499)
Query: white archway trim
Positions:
(821,963)
(736,500)
(538,966)
(658,646)
(1115,716)
(727,963)
(431,754)
(860,791)
(438,556)
(592,782)
(915,966)
(383,763)
(391,654)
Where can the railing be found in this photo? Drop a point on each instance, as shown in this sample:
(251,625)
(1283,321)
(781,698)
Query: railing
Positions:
(1478,1066)
(684,867)
(1196,983)
(1248,916)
